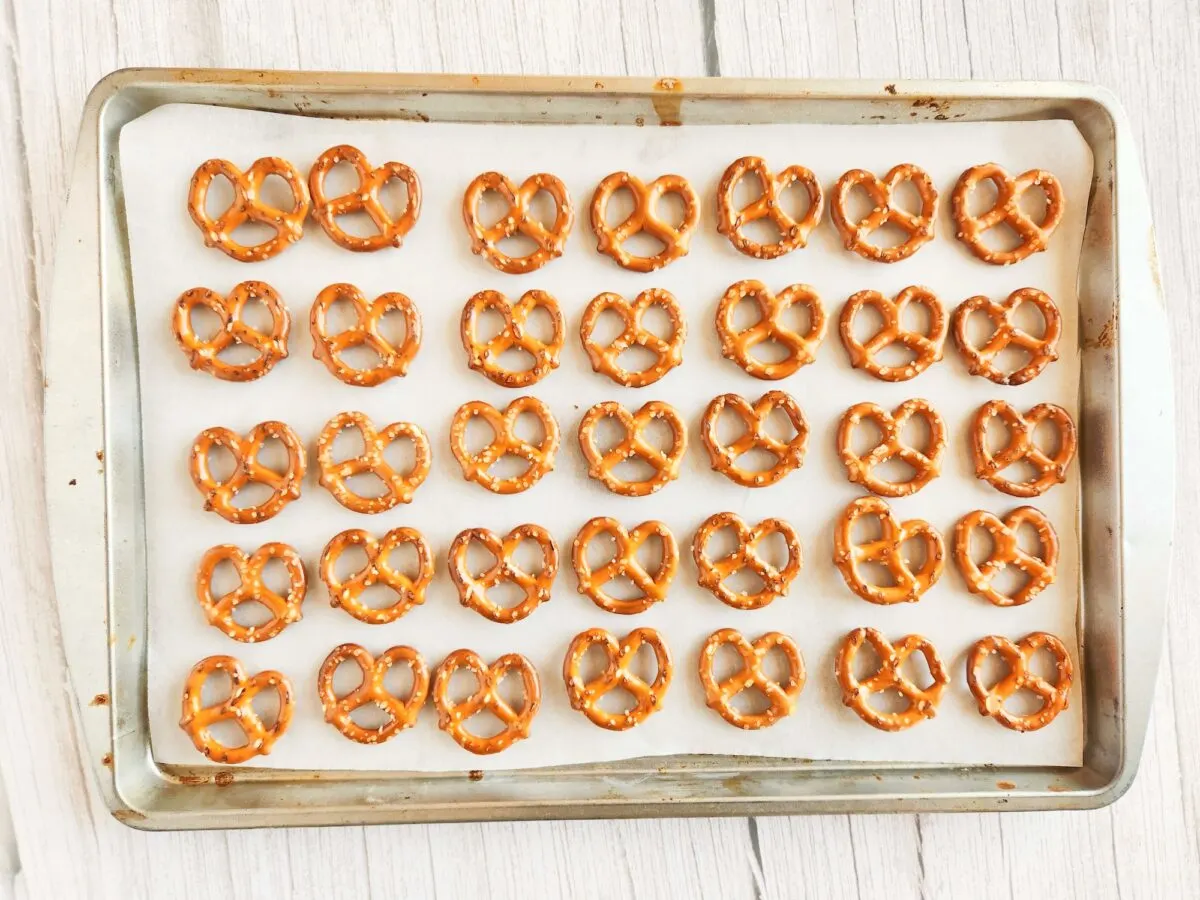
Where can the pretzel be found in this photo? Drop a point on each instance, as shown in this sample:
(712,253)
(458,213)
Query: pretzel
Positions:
(251,589)
(982,360)
(347,593)
(792,233)
(204,354)
(484,356)
(1049,470)
(219,495)
(624,564)
(610,240)
(1055,697)
(856,692)
(374,669)
(473,589)
(505,442)
(1006,551)
(602,464)
(364,198)
(288,225)
(398,488)
(926,348)
(789,455)
(585,695)
(453,716)
(485,241)
(668,351)
(860,469)
(886,551)
(781,696)
(919,227)
(1006,210)
(368,317)
(714,573)
(770,328)
(198,719)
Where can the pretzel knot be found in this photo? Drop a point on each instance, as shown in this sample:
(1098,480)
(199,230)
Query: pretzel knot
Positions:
(625,564)
(377,569)
(364,198)
(453,716)
(219,495)
(204,353)
(792,233)
(198,719)
(770,328)
(925,348)
(283,610)
(1054,696)
(921,702)
(585,695)
(397,487)
(918,226)
(1048,470)
(668,351)
(602,464)
(781,696)
(477,466)
(371,691)
(646,197)
(484,356)
(926,465)
(714,573)
(788,455)
(1006,551)
(473,589)
(1032,237)
(485,240)
(365,332)
(909,583)
(288,225)
(1041,351)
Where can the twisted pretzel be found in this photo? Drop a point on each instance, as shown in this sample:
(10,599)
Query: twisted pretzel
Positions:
(926,465)
(618,674)
(473,589)
(288,225)
(505,442)
(922,702)
(982,360)
(398,488)
(485,241)
(770,328)
(919,227)
(624,563)
(885,550)
(610,240)
(1049,470)
(251,589)
(219,495)
(781,696)
(792,233)
(1007,210)
(410,591)
(328,348)
(668,352)
(602,464)
(926,348)
(364,198)
(204,353)
(1006,551)
(1055,697)
(484,356)
(198,719)
(789,455)
(401,713)
(453,717)
(714,573)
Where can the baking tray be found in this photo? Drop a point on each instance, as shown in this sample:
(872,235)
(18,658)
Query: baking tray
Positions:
(94,467)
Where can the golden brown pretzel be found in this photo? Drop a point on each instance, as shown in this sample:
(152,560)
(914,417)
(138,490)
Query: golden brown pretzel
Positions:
(770,327)
(926,348)
(219,495)
(618,673)
(476,466)
(789,455)
(1007,211)
(792,233)
(397,487)
(247,207)
(484,356)
(624,563)
(1048,470)
(668,351)
(1006,551)
(714,573)
(454,716)
(856,692)
(1055,697)
(204,353)
(602,464)
(401,713)
(364,198)
(473,589)
(918,227)
(781,696)
(198,719)
(982,360)
(328,348)
(611,239)
(860,469)
(885,551)
(485,240)
(251,589)
(347,593)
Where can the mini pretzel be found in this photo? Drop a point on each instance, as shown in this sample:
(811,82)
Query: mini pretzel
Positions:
(770,328)
(473,589)
(926,348)
(610,239)
(485,241)
(1006,551)
(1049,470)
(781,696)
(1007,210)
(922,702)
(505,442)
(401,713)
(198,719)
(625,563)
(364,198)
(602,464)
(788,455)
(484,356)
(204,353)
(885,550)
(919,227)
(454,716)
(982,360)
(618,674)
(714,573)
(251,589)
(1055,697)
(792,233)
(410,591)
(368,317)
(860,469)
(398,488)
(288,225)
(219,495)
(668,351)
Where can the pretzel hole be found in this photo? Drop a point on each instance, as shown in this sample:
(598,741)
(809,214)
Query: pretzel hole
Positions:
(350,563)
(795,200)
(204,323)
(217,688)
(221,463)
(746,313)
(914,551)
(916,316)
(747,190)
(254,493)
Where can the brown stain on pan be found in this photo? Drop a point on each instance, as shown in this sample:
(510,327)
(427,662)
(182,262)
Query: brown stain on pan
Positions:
(106,760)
(1107,338)
(223,778)
(99,700)
(1006,785)
(667,100)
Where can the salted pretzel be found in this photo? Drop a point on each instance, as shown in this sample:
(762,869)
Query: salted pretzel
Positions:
(910,583)
(288,224)
(484,355)
(284,610)
(714,572)
(926,348)
(1048,470)
(1017,655)
(1034,237)
(476,466)
(918,227)
(602,464)
(1041,350)
(860,468)
(668,351)
(347,593)
(1006,551)
(473,589)
(198,719)
(770,328)
(788,455)
(646,197)
(401,713)
(793,233)
(204,354)
(364,198)
(922,702)
(453,716)
(365,332)
(585,694)
(485,240)
(624,564)
(219,495)
(398,487)
(781,696)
